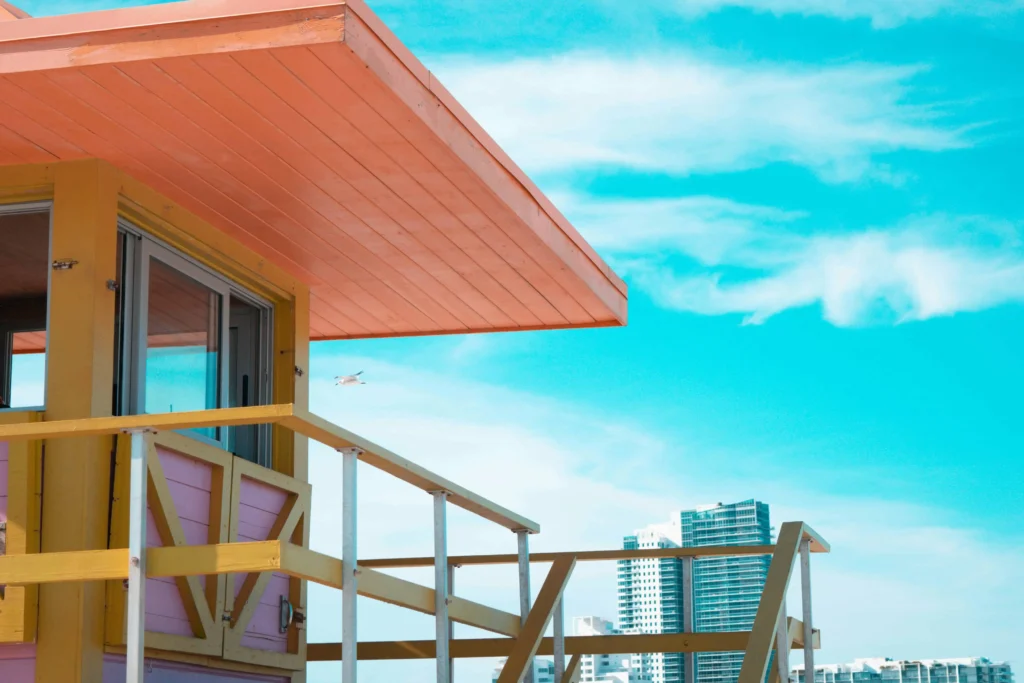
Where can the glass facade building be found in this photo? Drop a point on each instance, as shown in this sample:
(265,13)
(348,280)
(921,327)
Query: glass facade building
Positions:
(727,590)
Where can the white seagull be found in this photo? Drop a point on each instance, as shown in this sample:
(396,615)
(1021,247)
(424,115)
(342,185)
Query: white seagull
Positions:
(348,380)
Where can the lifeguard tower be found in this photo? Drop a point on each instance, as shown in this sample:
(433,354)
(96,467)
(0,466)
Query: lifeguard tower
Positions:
(191,193)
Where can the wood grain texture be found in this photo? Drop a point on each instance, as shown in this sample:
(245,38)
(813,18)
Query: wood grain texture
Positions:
(307,132)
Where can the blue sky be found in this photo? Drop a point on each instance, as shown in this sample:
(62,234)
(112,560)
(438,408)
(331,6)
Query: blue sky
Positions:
(815,205)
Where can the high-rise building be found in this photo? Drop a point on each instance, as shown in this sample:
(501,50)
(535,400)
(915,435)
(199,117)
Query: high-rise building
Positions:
(726,590)
(650,599)
(543,670)
(604,668)
(879,670)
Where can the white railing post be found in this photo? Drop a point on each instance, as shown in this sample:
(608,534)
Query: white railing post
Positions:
(451,624)
(523,538)
(349,569)
(805,593)
(136,627)
(689,658)
(558,631)
(441,590)
(782,644)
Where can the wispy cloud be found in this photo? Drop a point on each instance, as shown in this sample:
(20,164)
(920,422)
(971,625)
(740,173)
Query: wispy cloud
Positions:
(882,13)
(686,114)
(714,256)
(576,473)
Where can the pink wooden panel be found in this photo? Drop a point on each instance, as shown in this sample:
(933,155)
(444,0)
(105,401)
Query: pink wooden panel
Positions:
(259,507)
(189,481)
(18,663)
(173,672)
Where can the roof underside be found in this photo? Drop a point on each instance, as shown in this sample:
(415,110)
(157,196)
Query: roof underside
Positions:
(309,133)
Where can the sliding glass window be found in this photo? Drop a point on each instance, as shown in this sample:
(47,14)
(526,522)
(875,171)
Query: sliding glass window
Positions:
(190,340)
(24,291)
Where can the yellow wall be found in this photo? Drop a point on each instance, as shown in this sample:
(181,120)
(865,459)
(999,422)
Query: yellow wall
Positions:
(88,196)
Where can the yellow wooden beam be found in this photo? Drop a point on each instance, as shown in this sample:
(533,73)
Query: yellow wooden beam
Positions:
(468,648)
(331,435)
(292,417)
(762,635)
(79,373)
(526,644)
(325,570)
(818,542)
(24,498)
(572,671)
(581,556)
(100,426)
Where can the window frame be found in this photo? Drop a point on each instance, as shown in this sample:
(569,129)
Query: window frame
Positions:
(7,331)
(138,249)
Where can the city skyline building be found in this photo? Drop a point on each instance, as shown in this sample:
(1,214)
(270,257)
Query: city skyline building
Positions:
(727,590)
(543,670)
(650,594)
(605,668)
(886,670)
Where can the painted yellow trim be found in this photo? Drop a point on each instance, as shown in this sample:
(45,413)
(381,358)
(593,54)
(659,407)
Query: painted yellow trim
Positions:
(211,662)
(300,421)
(329,434)
(26,183)
(241,607)
(463,648)
(20,604)
(168,524)
(105,426)
(206,606)
(80,365)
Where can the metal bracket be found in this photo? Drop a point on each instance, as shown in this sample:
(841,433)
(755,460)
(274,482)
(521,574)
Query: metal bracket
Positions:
(112,285)
(352,450)
(286,614)
(299,372)
(64,264)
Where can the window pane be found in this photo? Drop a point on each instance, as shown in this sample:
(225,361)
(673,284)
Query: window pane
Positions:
(182,344)
(24,270)
(28,369)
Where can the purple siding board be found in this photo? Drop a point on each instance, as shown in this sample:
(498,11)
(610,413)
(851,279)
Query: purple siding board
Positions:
(186,479)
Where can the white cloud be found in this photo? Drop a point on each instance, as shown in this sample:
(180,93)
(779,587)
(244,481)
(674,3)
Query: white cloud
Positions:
(882,13)
(760,261)
(895,584)
(685,114)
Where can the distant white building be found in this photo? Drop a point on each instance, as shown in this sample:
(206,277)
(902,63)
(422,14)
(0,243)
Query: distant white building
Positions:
(884,670)
(543,670)
(604,668)
(650,599)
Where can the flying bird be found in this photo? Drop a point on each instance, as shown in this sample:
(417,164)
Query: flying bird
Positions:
(348,380)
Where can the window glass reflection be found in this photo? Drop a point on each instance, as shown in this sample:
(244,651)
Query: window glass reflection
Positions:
(182,344)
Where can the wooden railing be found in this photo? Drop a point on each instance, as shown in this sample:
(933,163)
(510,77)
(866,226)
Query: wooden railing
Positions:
(773,630)
(280,554)
(522,635)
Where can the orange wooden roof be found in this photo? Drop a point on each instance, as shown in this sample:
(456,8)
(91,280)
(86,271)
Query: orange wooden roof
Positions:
(309,132)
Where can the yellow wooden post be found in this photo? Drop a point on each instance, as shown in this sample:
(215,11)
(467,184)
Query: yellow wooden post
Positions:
(79,379)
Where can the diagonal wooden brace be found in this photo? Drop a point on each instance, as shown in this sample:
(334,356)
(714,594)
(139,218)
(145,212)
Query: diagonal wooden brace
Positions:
(537,622)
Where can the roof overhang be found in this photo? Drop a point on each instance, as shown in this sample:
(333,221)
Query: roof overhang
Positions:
(310,133)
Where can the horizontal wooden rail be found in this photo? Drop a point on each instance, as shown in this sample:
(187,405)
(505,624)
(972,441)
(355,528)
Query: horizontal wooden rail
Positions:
(581,556)
(468,648)
(818,545)
(574,645)
(288,416)
(243,558)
